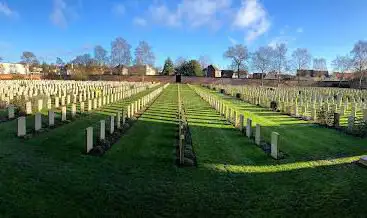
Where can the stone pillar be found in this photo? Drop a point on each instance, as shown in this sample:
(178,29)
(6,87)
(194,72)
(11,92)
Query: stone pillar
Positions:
(274,145)
(258,134)
(21,126)
(63,113)
(37,121)
(28,107)
(89,139)
(128,112)
(51,118)
(68,100)
(11,112)
(102,130)
(248,127)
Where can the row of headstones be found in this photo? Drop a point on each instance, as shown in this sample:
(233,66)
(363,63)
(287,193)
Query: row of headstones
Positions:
(293,110)
(260,94)
(182,127)
(92,105)
(9,93)
(66,100)
(83,94)
(132,109)
(292,92)
(237,120)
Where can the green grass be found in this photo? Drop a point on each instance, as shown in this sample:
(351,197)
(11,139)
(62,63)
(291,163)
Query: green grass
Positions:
(48,176)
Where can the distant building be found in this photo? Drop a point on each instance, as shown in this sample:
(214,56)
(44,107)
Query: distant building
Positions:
(258,75)
(227,73)
(12,68)
(310,74)
(119,70)
(273,75)
(139,70)
(212,71)
(345,76)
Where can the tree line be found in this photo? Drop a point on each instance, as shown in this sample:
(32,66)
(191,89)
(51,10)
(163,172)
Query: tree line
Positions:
(275,59)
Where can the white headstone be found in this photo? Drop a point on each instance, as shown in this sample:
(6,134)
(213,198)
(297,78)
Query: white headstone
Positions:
(37,121)
(51,118)
(102,130)
(258,134)
(112,124)
(274,145)
(63,113)
(21,126)
(249,128)
(89,139)
(11,112)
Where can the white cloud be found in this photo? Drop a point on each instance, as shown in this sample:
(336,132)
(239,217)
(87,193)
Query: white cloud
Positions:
(299,30)
(62,12)
(253,17)
(232,40)
(118,9)
(194,13)
(5,10)
(139,21)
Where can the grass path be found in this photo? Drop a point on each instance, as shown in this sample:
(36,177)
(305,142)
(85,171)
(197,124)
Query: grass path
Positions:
(301,140)
(47,176)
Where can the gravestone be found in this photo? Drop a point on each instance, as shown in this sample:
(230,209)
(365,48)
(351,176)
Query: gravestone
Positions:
(102,130)
(11,112)
(112,124)
(63,113)
(257,134)
(51,118)
(21,126)
(28,107)
(241,122)
(248,127)
(89,139)
(38,121)
(274,145)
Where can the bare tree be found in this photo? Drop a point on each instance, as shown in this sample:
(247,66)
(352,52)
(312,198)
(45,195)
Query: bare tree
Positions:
(301,59)
(342,64)
(204,61)
(261,60)
(280,61)
(359,54)
(29,59)
(179,61)
(120,52)
(239,55)
(319,64)
(144,54)
(100,54)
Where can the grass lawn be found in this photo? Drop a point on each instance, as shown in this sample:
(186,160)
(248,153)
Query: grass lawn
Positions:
(48,176)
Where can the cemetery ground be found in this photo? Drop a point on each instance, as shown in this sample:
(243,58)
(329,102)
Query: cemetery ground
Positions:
(49,175)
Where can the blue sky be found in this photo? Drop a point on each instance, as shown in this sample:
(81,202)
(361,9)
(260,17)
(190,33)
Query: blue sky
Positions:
(187,28)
